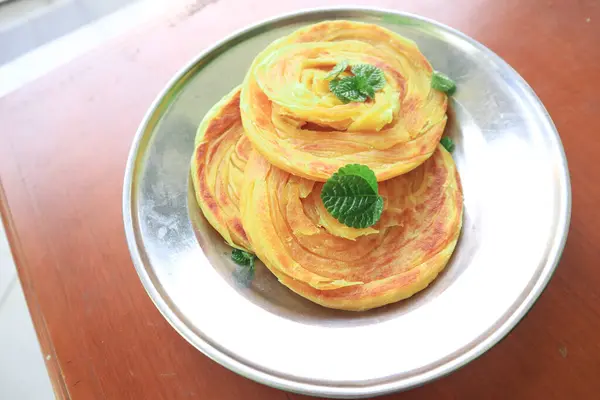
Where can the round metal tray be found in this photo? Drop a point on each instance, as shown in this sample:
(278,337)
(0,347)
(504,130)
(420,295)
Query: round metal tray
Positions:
(517,210)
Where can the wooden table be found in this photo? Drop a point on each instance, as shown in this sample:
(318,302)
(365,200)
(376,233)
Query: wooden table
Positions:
(64,140)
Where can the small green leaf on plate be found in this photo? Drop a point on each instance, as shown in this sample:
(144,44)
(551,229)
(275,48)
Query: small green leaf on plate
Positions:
(448,144)
(443,83)
(243,258)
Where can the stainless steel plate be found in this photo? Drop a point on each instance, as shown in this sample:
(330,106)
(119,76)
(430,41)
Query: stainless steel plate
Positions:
(517,208)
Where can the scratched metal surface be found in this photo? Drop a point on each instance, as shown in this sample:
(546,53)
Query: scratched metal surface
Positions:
(517,208)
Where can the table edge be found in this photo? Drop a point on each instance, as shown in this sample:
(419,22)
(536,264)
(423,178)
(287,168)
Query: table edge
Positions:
(51,361)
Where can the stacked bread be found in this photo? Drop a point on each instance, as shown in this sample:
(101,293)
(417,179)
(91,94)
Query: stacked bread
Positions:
(264,152)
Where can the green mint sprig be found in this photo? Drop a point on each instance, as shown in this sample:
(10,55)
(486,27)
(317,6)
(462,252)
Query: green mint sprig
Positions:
(338,69)
(448,144)
(374,76)
(243,258)
(351,196)
(366,81)
(348,89)
(443,83)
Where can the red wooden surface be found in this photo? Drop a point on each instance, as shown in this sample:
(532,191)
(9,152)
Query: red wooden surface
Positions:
(63,145)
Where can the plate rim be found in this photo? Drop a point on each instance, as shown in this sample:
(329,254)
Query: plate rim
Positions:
(555,248)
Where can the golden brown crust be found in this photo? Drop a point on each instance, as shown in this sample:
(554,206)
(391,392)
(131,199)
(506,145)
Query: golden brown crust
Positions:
(295,122)
(319,259)
(249,142)
(217,168)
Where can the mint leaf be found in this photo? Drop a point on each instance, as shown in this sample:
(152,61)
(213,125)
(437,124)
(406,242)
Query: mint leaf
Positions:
(338,69)
(366,80)
(243,258)
(360,170)
(374,77)
(362,85)
(448,144)
(347,89)
(351,197)
(443,83)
